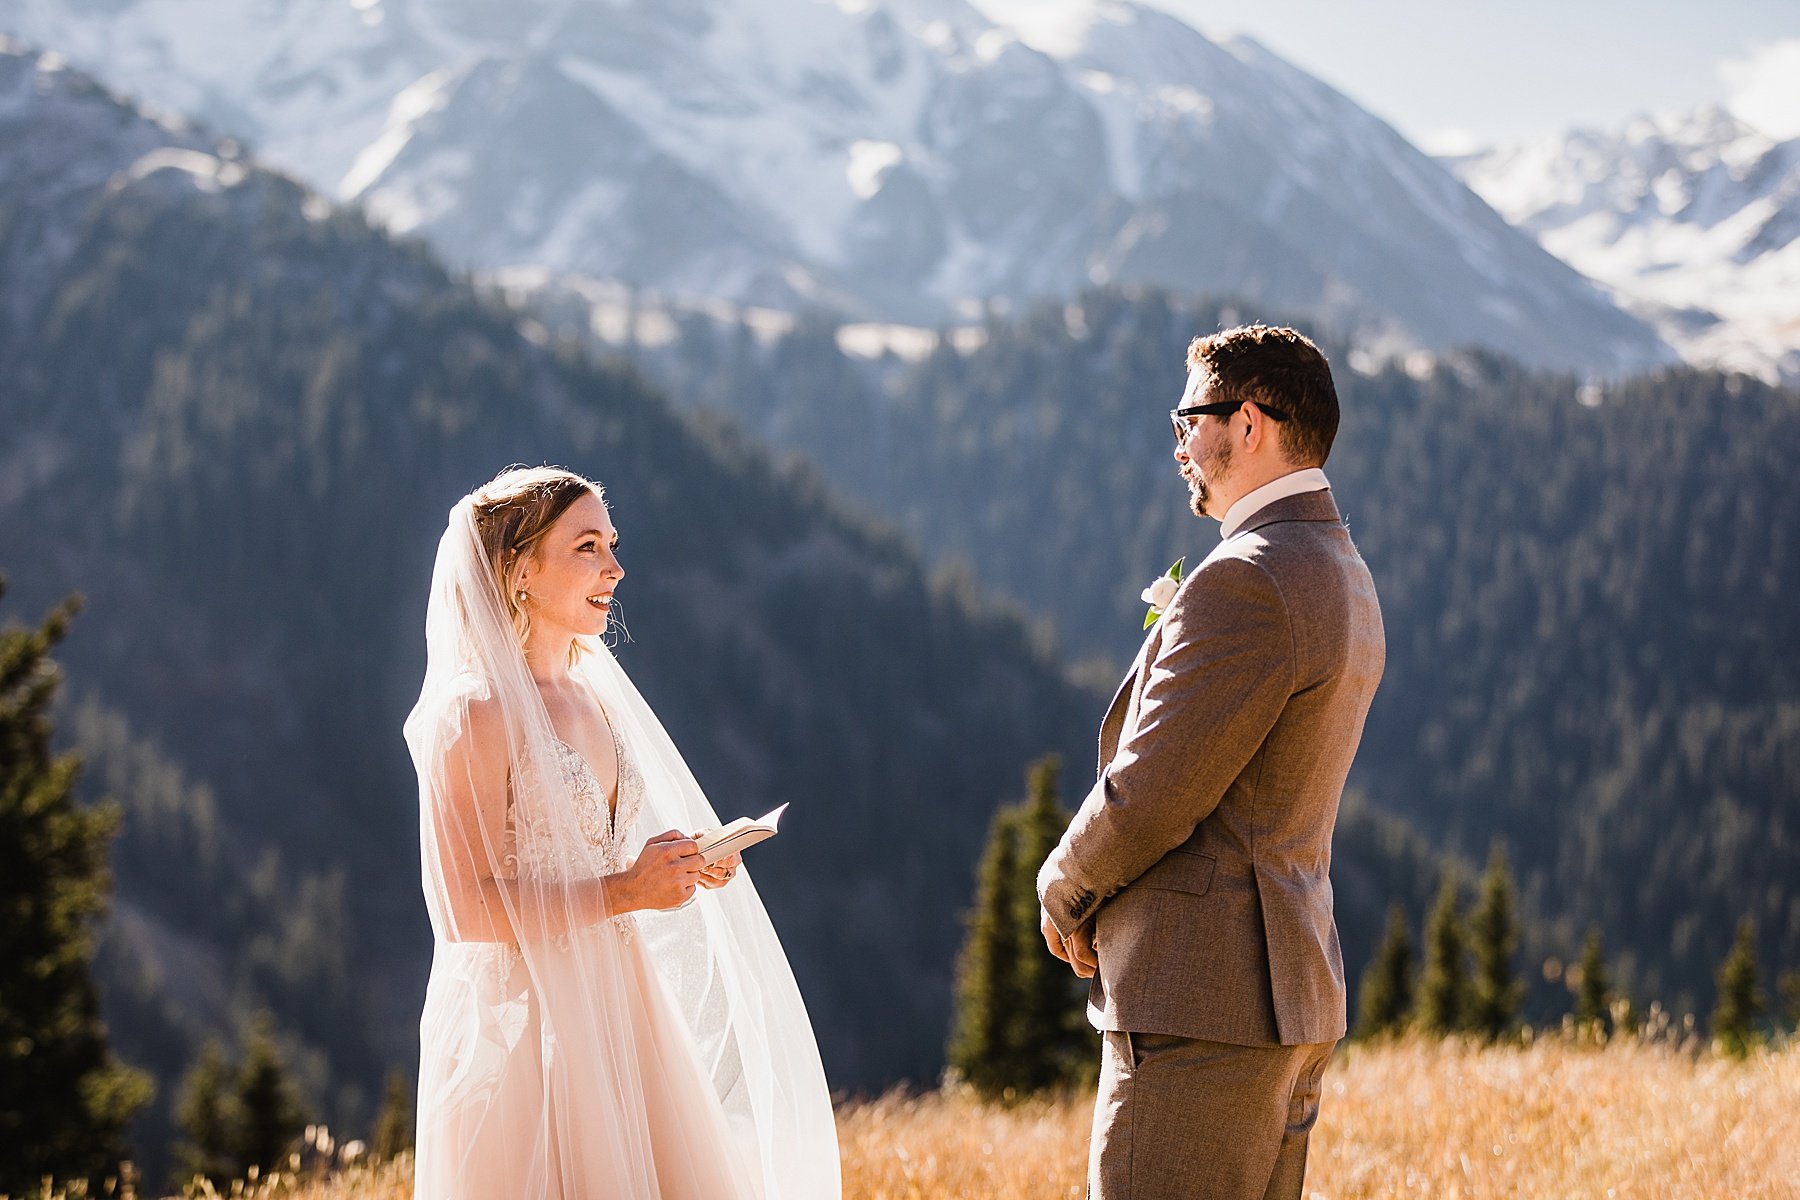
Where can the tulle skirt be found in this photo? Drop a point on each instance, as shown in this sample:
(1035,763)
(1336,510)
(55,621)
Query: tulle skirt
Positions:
(529,1089)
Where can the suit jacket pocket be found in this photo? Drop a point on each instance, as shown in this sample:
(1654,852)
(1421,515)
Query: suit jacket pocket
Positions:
(1180,871)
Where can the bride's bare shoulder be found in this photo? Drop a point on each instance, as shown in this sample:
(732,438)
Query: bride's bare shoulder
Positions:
(475,712)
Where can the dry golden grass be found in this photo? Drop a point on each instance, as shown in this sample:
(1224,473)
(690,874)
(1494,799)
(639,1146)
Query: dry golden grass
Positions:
(952,1145)
(1416,1119)
(1444,1120)
(1552,1120)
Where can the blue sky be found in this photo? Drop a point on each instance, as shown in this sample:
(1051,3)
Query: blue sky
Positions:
(1438,69)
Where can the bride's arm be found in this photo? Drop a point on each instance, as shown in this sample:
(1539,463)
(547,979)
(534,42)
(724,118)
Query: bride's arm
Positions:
(482,903)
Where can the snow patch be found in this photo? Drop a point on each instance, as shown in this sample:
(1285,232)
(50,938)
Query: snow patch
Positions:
(1059,28)
(423,98)
(992,44)
(209,173)
(874,341)
(1186,100)
(869,164)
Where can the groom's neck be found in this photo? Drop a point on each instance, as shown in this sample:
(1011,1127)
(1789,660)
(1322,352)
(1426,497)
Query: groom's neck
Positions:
(1246,477)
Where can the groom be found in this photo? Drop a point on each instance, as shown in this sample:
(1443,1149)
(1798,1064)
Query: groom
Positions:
(1193,885)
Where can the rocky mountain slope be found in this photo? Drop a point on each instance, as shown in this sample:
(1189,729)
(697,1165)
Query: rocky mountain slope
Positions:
(1692,221)
(895,159)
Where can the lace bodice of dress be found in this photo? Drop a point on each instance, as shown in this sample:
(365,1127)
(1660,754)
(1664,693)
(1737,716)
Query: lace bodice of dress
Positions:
(607,833)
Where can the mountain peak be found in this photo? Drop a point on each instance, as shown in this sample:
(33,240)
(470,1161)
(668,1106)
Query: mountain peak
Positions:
(1692,220)
(1706,129)
(900,160)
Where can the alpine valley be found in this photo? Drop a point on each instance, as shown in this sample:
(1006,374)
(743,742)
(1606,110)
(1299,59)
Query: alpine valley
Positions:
(237,404)
(234,419)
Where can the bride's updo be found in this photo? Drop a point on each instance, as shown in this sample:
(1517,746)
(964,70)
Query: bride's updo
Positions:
(513,511)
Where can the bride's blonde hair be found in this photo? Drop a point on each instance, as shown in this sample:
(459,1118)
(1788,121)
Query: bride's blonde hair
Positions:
(513,512)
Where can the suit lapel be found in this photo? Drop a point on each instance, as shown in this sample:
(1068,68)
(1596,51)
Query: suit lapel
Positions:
(1112,729)
(1307,506)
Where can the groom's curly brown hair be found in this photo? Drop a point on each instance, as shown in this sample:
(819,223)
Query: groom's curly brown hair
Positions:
(1274,367)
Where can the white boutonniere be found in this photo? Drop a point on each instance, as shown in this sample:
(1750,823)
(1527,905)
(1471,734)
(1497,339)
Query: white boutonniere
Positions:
(1161,594)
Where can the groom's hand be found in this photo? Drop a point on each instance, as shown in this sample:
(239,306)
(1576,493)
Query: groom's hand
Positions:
(1082,955)
(1052,938)
(1078,951)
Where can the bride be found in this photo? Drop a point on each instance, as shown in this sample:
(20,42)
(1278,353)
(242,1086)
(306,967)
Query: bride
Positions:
(598,1024)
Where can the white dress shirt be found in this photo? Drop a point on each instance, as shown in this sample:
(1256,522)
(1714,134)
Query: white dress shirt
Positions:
(1306,479)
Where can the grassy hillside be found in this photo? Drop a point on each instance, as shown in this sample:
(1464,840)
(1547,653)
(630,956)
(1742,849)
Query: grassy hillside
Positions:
(1552,1118)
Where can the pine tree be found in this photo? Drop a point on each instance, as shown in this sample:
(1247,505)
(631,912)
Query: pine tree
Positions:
(64,1099)
(1740,998)
(394,1127)
(1051,1041)
(987,969)
(1444,991)
(1020,1024)
(1789,986)
(1593,989)
(209,1120)
(270,1119)
(1385,997)
(1494,936)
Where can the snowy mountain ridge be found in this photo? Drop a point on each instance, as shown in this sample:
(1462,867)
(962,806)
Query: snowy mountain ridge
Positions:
(896,160)
(1692,220)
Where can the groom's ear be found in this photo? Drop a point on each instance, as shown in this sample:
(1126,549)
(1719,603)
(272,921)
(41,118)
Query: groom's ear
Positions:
(1256,423)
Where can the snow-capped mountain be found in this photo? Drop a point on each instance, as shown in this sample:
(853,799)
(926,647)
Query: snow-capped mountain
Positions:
(1692,221)
(895,159)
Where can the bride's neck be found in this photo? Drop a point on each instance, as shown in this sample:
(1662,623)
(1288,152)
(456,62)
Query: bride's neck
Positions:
(548,659)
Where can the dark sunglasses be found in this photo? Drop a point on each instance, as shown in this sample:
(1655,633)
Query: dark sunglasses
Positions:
(1178,417)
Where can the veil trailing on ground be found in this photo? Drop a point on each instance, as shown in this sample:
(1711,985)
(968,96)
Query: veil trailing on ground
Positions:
(543,1072)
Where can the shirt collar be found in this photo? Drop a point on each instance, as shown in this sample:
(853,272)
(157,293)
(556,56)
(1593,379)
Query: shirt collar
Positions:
(1307,479)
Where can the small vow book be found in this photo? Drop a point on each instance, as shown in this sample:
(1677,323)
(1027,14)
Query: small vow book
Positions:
(729,839)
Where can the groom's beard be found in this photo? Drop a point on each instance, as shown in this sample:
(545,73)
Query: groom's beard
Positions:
(1199,493)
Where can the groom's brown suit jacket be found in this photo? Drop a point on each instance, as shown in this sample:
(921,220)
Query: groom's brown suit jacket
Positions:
(1203,852)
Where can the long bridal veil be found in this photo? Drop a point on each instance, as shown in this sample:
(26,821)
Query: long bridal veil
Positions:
(532,1078)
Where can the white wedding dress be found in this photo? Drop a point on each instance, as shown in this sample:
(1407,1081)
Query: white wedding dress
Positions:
(645,1056)
(489,1146)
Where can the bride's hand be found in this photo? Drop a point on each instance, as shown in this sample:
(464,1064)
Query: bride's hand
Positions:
(667,872)
(720,873)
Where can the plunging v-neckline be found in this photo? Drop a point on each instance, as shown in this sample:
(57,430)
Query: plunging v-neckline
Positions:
(612,803)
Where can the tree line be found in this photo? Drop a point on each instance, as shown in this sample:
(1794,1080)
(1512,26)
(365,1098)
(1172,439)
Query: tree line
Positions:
(1469,982)
(1020,1023)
